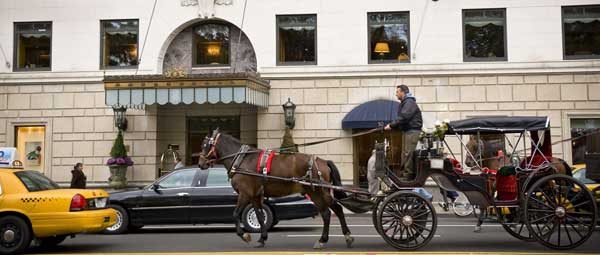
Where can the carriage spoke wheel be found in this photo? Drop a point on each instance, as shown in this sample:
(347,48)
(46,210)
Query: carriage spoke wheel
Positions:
(406,220)
(374,218)
(560,212)
(513,222)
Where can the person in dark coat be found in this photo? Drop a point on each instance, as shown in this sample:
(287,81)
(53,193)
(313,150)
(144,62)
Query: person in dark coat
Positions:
(79,179)
(410,122)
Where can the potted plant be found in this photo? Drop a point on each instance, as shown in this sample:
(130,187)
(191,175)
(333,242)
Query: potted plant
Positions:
(118,163)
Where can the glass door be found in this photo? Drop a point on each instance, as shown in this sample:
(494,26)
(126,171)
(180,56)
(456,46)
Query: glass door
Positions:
(199,127)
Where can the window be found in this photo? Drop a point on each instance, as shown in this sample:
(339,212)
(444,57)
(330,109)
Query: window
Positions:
(581,127)
(484,34)
(30,143)
(33,49)
(217,178)
(179,179)
(35,181)
(389,37)
(119,43)
(581,31)
(297,39)
(211,45)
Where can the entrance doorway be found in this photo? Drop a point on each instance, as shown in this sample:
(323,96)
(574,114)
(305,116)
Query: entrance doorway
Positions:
(199,127)
(364,146)
(30,142)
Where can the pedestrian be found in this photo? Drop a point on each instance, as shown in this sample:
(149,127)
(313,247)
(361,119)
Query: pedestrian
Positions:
(410,122)
(78,180)
(178,163)
(371,176)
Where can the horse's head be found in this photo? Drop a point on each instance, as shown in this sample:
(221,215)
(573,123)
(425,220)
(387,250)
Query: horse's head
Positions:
(208,155)
(474,147)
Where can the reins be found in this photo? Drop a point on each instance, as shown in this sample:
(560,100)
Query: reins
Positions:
(280,149)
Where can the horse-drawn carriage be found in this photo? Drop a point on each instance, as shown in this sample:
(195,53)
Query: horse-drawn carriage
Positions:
(534,198)
(532,194)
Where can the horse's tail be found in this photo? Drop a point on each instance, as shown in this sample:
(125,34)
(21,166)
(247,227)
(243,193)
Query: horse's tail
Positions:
(336,180)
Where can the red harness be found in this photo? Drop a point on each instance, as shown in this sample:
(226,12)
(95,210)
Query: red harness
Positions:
(263,164)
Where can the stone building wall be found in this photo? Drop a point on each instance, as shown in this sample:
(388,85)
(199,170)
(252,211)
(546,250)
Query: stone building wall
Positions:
(322,104)
(79,128)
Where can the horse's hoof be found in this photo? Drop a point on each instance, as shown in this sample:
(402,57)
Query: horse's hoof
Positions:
(260,245)
(349,241)
(477,229)
(318,245)
(247,237)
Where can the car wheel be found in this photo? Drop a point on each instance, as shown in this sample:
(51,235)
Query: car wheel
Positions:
(15,235)
(250,220)
(52,241)
(122,221)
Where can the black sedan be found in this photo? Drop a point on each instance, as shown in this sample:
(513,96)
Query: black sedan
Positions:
(194,196)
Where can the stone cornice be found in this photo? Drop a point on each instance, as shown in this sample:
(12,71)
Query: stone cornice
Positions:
(360,71)
(407,69)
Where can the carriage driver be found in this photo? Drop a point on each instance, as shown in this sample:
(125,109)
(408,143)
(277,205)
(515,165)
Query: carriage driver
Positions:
(410,122)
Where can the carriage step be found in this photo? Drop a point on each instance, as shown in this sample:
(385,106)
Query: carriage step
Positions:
(512,202)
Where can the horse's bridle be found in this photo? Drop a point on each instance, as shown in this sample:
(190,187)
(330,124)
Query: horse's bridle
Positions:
(211,157)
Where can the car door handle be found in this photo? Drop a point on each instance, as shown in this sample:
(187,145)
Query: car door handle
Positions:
(183,194)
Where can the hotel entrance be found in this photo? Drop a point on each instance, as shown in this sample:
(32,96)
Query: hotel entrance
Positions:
(199,127)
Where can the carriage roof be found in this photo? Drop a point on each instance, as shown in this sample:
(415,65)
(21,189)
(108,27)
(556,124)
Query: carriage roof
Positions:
(498,125)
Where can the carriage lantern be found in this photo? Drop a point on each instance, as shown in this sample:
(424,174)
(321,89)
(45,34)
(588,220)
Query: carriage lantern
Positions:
(120,120)
(288,110)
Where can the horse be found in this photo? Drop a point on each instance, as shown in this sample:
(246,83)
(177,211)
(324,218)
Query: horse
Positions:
(252,189)
(493,156)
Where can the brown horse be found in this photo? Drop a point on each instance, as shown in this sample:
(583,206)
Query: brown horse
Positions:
(487,149)
(220,147)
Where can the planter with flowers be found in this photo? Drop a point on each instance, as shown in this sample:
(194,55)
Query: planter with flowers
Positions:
(118,163)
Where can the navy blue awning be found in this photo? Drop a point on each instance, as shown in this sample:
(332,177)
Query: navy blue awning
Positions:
(370,114)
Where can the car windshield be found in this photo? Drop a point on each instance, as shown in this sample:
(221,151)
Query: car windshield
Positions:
(35,181)
(580,175)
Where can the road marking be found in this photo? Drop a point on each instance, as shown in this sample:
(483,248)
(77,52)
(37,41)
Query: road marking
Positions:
(330,253)
(305,226)
(377,236)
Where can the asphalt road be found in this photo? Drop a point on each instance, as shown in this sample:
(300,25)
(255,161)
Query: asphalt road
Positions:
(453,235)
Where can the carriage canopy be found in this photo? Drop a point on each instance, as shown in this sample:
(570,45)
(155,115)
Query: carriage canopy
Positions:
(498,124)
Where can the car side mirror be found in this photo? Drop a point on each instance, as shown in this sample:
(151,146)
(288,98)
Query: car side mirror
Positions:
(156,187)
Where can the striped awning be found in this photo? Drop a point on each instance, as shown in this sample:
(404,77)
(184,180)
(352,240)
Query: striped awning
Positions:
(135,91)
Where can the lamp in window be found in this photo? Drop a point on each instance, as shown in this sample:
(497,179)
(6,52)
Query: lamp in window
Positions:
(120,119)
(288,110)
(382,48)
(213,50)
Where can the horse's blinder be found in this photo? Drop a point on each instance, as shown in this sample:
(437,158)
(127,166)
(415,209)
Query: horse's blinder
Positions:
(211,157)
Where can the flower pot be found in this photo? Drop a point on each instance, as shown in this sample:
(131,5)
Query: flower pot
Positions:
(117,179)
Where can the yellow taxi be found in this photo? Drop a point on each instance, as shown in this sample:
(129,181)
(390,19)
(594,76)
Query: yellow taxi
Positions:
(579,174)
(33,207)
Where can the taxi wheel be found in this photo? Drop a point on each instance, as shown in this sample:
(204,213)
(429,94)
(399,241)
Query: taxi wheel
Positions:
(15,235)
(52,241)
(122,223)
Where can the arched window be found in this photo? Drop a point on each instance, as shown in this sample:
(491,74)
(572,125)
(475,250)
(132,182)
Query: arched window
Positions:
(211,45)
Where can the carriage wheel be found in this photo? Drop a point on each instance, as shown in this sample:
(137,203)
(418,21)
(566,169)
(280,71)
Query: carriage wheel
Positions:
(376,204)
(513,222)
(560,212)
(406,220)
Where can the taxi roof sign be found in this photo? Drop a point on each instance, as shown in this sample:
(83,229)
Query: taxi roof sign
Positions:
(8,157)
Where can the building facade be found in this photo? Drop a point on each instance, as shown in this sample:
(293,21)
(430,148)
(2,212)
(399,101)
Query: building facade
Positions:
(185,67)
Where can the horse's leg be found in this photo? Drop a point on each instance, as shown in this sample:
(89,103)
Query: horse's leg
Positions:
(258,205)
(339,212)
(323,207)
(242,202)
